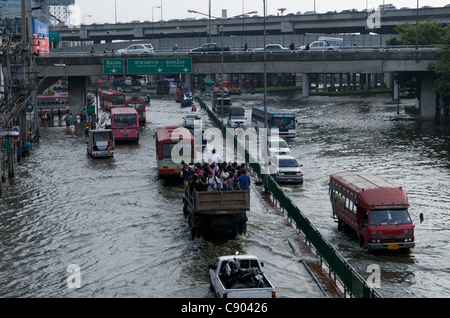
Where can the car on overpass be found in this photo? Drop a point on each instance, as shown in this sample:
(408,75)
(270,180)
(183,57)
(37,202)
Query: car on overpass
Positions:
(137,49)
(324,44)
(272,48)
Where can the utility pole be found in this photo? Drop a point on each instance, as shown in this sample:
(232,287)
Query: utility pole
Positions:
(266,176)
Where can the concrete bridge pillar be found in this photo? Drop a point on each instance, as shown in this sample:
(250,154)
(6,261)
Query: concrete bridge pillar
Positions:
(332,80)
(362,79)
(77,94)
(317,82)
(427,96)
(188,81)
(388,79)
(305,85)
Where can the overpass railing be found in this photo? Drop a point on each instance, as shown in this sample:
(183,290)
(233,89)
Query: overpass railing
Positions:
(184,52)
(354,285)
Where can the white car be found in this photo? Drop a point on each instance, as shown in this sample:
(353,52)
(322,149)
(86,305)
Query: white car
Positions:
(278,147)
(272,48)
(287,169)
(138,49)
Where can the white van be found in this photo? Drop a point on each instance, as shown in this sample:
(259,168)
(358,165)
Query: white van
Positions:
(278,147)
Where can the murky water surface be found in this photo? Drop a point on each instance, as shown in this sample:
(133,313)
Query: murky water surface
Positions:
(126,231)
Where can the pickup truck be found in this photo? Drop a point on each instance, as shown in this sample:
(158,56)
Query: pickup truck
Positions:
(324,44)
(101,143)
(190,120)
(211,212)
(210,47)
(186,99)
(239,276)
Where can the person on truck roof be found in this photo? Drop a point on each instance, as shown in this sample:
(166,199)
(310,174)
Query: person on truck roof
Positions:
(214,157)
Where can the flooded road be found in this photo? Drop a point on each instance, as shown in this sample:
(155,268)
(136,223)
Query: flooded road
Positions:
(352,133)
(125,229)
(121,226)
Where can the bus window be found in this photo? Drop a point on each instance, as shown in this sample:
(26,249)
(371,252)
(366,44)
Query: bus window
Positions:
(286,123)
(388,217)
(125,120)
(167,150)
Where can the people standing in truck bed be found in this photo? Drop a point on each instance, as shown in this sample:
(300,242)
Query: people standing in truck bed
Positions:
(212,177)
(244,180)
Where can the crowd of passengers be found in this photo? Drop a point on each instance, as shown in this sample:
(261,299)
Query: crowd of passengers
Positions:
(216,176)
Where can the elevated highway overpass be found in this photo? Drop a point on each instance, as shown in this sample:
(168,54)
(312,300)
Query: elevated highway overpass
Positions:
(334,23)
(345,61)
(78,67)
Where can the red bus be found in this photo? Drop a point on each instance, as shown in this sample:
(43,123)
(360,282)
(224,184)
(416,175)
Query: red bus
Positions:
(138,104)
(125,123)
(100,85)
(48,102)
(110,99)
(173,145)
(375,209)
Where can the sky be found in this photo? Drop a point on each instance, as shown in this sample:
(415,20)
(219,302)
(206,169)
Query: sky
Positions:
(128,10)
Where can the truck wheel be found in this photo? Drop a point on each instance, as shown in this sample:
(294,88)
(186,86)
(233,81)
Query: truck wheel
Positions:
(191,227)
(185,210)
(242,229)
(340,225)
(361,241)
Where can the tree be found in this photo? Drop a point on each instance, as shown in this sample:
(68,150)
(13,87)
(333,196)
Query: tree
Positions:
(442,70)
(434,33)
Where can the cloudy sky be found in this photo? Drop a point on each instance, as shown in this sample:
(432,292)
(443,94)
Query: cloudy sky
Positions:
(127,10)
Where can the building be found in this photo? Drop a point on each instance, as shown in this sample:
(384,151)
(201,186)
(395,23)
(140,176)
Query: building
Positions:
(52,12)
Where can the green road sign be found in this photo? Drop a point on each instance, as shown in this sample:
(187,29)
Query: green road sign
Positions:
(6,145)
(160,66)
(89,109)
(113,66)
(54,36)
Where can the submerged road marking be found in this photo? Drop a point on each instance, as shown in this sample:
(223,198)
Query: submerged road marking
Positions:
(304,280)
(293,263)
